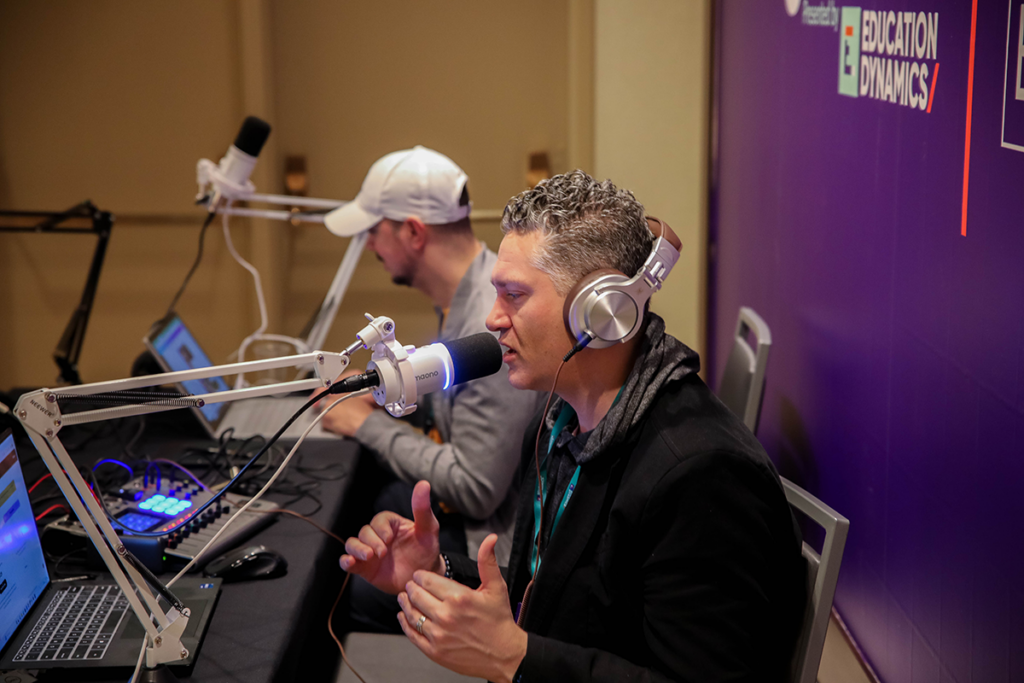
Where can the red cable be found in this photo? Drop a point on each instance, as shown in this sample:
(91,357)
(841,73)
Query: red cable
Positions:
(49,510)
(330,617)
(41,480)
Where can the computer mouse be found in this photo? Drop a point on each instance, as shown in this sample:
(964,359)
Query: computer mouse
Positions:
(246,563)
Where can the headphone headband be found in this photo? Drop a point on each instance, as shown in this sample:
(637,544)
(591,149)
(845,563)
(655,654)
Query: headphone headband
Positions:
(660,228)
(606,307)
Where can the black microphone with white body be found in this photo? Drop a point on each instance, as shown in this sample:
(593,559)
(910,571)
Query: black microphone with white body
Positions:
(399,374)
(230,178)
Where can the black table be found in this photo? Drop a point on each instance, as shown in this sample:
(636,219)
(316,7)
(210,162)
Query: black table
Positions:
(276,629)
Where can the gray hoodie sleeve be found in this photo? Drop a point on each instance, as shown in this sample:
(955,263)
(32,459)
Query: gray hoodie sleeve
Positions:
(473,471)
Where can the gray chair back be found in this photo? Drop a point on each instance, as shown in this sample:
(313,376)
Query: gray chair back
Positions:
(742,385)
(822,576)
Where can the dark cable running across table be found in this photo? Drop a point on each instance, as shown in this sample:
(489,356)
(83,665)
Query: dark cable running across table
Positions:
(268,630)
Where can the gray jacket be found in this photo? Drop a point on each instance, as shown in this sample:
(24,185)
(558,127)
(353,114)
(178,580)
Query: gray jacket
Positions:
(482,424)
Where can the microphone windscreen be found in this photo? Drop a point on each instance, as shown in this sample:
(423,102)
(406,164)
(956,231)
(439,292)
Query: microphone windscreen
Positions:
(475,356)
(252,135)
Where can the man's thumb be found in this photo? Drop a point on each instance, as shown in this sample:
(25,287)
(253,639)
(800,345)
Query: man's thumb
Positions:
(422,515)
(487,563)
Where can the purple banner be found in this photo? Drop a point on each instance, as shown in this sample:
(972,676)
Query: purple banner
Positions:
(895,385)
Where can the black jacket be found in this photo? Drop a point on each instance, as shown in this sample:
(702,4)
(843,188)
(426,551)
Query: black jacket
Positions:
(677,558)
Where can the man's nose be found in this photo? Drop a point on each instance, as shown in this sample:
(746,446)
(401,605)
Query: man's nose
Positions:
(496,319)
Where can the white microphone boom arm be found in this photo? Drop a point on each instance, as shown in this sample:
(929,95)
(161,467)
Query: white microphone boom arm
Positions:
(213,183)
(40,413)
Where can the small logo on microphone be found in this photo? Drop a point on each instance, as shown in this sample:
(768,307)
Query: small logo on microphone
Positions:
(427,375)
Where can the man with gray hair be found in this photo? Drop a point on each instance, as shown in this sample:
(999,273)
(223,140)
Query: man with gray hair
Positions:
(653,539)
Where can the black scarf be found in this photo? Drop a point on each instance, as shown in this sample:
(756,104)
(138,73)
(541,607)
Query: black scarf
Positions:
(662,359)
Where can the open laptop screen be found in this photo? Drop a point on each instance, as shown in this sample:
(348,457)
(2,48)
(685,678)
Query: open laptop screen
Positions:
(23,575)
(178,350)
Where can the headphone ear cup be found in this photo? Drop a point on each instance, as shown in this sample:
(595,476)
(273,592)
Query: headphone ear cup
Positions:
(574,325)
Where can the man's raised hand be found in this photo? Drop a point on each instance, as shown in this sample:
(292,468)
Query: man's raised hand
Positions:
(468,631)
(391,548)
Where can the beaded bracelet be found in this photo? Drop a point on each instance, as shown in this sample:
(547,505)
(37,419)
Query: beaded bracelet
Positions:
(447,566)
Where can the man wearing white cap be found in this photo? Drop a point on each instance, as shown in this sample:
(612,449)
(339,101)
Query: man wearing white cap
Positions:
(415,205)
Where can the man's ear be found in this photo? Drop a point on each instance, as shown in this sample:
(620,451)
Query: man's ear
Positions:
(417,233)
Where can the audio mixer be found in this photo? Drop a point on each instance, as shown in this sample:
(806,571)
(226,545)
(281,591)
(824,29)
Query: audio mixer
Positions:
(161,504)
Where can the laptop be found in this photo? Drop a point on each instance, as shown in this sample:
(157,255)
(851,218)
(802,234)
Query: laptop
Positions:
(72,625)
(175,348)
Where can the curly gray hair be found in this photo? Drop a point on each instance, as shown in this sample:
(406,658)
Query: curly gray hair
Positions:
(585,225)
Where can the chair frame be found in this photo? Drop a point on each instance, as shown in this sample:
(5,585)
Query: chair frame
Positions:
(822,576)
(757,359)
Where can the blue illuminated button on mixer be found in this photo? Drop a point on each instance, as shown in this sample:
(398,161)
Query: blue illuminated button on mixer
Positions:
(165,505)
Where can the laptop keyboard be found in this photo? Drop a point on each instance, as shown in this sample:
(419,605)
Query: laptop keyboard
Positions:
(78,624)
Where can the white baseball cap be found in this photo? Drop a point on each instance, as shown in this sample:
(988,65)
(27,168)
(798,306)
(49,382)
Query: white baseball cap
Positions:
(412,182)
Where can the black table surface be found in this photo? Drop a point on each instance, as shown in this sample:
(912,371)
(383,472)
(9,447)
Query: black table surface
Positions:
(274,629)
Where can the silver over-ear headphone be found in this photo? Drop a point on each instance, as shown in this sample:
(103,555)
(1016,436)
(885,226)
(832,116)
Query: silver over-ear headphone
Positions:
(607,306)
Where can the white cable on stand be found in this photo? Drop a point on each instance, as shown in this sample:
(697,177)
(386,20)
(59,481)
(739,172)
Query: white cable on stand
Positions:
(250,502)
(220,185)
(300,345)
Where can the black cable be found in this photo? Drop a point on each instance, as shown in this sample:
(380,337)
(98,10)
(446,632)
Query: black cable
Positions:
(584,339)
(55,562)
(126,447)
(199,257)
(112,477)
(243,473)
(52,496)
(227,487)
(153,581)
(315,472)
(138,435)
(306,494)
(90,432)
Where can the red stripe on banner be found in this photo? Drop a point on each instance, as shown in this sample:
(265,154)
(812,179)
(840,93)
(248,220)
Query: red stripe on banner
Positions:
(931,95)
(967,134)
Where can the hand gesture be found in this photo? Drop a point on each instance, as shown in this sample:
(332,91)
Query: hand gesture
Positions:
(391,548)
(346,419)
(468,631)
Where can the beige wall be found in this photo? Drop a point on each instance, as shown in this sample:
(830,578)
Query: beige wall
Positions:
(651,69)
(115,101)
(483,82)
